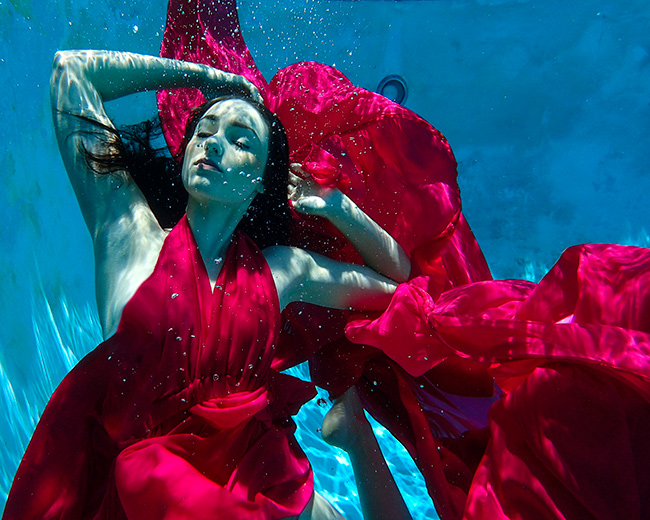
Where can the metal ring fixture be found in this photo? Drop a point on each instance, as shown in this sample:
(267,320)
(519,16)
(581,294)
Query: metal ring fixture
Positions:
(394,88)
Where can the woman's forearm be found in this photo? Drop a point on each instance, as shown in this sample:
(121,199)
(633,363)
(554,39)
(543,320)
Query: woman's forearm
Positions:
(377,248)
(115,74)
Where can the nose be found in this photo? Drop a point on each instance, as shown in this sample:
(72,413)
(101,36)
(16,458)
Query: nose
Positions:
(213,145)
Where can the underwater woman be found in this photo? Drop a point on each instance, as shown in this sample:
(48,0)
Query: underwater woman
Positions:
(565,435)
(178,413)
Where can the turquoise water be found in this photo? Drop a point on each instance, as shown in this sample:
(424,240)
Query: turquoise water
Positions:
(544,103)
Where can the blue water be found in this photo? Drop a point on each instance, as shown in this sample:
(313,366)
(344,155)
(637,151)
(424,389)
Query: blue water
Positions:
(544,103)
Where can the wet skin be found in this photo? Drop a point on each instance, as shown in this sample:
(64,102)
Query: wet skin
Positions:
(225,159)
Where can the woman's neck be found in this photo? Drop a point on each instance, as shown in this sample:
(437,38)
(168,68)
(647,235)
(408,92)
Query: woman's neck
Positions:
(213,229)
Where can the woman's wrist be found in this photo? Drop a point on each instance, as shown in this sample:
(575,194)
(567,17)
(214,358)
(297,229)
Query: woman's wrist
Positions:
(340,209)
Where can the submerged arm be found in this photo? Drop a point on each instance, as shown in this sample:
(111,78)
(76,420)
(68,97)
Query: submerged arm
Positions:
(377,248)
(81,82)
(126,236)
(304,276)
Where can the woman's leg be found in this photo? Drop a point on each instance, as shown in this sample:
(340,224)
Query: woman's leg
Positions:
(320,509)
(346,427)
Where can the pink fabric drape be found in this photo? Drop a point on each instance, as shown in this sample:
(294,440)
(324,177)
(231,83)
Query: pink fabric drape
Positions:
(179,414)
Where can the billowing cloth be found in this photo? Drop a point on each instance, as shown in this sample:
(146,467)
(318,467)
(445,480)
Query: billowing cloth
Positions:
(568,440)
(566,436)
(393,164)
(179,414)
(402,173)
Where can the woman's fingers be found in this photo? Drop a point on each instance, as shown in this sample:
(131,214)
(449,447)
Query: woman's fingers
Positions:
(294,179)
(251,89)
(220,82)
(296,168)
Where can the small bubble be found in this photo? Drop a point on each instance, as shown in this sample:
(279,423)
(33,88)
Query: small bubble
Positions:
(218,260)
(174,296)
(178,338)
(250,366)
(321,402)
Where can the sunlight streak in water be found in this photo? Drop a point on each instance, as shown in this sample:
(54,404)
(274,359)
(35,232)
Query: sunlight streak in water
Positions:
(63,336)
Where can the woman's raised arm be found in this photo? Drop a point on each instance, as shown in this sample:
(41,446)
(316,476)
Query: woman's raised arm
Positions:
(303,276)
(81,82)
(377,248)
(126,236)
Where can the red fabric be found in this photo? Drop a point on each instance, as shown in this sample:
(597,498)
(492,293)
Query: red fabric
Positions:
(569,387)
(569,438)
(393,164)
(400,171)
(179,414)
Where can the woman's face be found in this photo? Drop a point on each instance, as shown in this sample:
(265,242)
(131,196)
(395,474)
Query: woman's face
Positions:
(225,159)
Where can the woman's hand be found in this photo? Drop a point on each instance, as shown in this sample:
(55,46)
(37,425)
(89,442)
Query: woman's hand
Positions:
(309,197)
(377,248)
(218,83)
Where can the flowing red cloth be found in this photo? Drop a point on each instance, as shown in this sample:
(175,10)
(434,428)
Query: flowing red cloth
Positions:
(393,164)
(572,354)
(179,414)
(399,170)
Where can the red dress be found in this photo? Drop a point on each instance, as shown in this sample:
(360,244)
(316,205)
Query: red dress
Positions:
(568,437)
(179,414)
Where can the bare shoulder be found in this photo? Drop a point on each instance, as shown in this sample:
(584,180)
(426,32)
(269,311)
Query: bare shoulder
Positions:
(288,266)
(305,276)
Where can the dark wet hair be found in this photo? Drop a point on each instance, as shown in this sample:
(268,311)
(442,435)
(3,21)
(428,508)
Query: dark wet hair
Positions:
(158,175)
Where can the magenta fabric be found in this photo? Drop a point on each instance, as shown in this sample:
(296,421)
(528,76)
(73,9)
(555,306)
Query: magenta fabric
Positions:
(393,164)
(400,171)
(179,414)
(572,354)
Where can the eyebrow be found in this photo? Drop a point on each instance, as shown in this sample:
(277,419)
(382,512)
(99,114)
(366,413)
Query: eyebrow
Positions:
(234,123)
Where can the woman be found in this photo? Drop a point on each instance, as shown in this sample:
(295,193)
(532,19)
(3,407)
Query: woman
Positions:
(571,355)
(178,413)
(402,173)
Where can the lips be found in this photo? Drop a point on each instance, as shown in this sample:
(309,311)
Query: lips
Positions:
(207,164)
